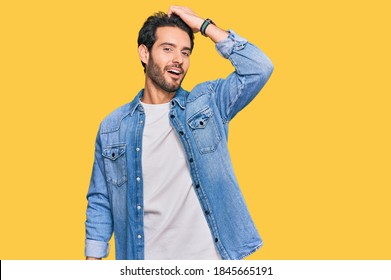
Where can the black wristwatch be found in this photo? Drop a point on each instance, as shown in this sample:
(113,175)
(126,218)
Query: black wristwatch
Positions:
(205,24)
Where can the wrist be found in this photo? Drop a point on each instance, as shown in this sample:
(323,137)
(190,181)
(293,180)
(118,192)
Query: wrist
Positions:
(205,25)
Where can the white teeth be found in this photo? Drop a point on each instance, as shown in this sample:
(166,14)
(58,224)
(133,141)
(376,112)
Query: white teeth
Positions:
(174,71)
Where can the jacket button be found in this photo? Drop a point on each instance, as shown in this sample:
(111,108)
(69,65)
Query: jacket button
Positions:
(207,212)
(138,179)
(191,160)
(113,154)
(181,132)
(172,116)
(197,186)
(216,239)
(139,236)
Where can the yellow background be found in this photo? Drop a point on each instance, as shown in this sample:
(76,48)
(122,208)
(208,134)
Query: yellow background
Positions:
(312,152)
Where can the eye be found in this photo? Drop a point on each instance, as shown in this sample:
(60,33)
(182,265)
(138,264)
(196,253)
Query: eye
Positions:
(167,49)
(186,53)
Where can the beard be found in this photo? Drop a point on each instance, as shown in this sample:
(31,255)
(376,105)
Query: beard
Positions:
(157,76)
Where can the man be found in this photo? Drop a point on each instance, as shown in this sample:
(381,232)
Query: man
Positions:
(162,179)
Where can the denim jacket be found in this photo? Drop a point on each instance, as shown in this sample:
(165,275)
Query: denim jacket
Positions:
(200,119)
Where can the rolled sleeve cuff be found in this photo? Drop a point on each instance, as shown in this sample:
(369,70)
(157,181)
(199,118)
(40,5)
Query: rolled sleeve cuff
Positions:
(232,43)
(96,249)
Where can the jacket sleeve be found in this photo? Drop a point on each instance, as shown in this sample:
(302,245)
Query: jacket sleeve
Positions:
(99,223)
(252,70)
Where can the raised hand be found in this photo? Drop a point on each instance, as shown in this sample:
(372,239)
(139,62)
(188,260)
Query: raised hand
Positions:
(188,16)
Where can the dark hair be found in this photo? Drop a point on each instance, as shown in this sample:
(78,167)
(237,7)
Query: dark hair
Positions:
(146,35)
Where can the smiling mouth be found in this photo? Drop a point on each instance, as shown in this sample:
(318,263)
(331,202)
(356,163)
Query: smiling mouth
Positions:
(175,71)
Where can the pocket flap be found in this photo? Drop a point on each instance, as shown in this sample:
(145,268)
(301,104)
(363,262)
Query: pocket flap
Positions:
(113,152)
(200,119)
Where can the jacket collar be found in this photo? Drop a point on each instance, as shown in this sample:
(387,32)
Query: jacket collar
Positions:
(179,98)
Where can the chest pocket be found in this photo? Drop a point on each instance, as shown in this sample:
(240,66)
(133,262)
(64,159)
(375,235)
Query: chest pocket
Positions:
(115,164)
(204,129)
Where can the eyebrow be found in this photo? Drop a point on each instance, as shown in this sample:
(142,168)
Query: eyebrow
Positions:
(173,45)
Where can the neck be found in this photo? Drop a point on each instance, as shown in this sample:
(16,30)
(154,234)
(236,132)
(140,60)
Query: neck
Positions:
(154,95)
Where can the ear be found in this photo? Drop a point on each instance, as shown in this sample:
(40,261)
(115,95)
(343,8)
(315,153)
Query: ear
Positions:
(143,53)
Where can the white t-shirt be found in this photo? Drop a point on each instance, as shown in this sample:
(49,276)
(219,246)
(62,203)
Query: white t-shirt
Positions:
(174,223)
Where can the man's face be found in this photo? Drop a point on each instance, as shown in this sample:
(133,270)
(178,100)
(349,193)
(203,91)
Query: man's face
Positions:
(169,58)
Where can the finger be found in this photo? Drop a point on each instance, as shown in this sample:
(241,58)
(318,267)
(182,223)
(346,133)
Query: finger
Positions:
(172,10)
(179,10)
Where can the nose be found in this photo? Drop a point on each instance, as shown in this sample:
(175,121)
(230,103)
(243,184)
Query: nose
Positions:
(177,58)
